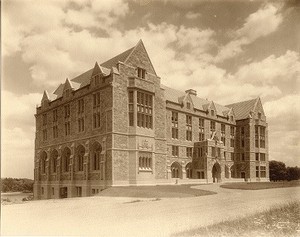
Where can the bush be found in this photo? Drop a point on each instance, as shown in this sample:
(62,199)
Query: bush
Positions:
(16,185)
(278,171)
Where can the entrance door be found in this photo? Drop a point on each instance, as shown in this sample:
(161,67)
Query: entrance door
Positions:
(63,192)
(243,175)
(216,173)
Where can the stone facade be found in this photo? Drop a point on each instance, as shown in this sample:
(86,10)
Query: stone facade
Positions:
(116,124)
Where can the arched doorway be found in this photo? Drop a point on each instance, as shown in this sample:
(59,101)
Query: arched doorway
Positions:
(80,151)
(227,176)
(66,159)
(216,172)
(176,170)
(188,170)
(53,164)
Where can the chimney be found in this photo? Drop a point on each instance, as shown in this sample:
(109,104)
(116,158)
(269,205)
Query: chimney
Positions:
(191,92)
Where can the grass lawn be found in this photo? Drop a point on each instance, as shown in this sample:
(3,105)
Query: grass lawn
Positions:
(262,185)
(160,191)
(278,221)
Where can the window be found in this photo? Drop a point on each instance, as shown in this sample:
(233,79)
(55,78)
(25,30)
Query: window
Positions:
(232,136)
(80,106)
(96,119)
(223,139)
(45,135)
(67,93)
(188,128)
(55,115)
(67,128)
(96,160)
(175,151)
(145,161)
(232,156)
(213,151)
(257,156)
(141,73)
(212,112)
(189,152)
(131,107)
(262,157)
(262,171)
(174,125)
(259,115)
(42,191)
(231,118)
(52,191)
(79,191)
(188,105)
(67,111)
(55,131)
(44,119)
(201,130)
(243,143)
(97,80)
(80,124)
(96,99)
(144,110)
(242,137)
(242,157)
(225,155)
(257,171)
(256,136)
(262,137)
(212,127)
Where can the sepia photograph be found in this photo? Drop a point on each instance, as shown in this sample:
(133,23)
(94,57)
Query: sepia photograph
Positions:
(150,118)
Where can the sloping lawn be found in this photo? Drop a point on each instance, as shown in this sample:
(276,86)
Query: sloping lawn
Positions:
(278,221)
(262,185)
(160,191)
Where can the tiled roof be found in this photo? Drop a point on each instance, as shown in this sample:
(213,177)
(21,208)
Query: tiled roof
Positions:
(199,103)
(242,109)
(119,58)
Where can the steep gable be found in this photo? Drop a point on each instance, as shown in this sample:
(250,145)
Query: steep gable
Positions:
(139,57)
(242,109)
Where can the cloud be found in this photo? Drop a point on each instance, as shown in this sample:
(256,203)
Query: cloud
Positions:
(283,116)
(261,23)
(192,15)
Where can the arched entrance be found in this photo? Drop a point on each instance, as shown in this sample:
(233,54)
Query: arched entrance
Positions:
(43,161)
(227,172)
(188,170)
(176,170)
(65,160)
(95,156)
(216,173)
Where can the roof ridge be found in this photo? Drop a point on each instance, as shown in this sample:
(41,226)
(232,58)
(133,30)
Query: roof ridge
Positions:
(241,102)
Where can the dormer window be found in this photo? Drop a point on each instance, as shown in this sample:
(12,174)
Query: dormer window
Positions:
(141,73)
(259,115)
(67,93)
(212,112)
(97,80)
(188,105)
(231,118)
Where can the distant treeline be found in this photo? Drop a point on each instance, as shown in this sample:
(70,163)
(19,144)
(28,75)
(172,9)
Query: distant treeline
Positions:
(278,171)
(16,185)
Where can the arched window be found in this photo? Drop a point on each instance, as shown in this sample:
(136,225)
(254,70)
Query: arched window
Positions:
(43,162)
(54,155)
(80,151)
(95,156)
(188,169)
(66,159)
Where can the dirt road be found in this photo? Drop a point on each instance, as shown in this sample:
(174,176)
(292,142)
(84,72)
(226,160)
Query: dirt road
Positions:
(104,216)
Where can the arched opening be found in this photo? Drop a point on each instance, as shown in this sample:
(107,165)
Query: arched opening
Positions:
(233,171)
(188,170)
(80,151)
(216,172)
(95,156)
(43,161)
(176,170)
(53,164)
(66,159)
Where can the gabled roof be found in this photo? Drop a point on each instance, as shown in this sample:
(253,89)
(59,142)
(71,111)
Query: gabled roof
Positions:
(45,96)
(119,58)
(243,108)
(199,103)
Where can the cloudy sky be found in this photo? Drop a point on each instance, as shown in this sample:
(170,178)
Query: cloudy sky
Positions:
(228,51)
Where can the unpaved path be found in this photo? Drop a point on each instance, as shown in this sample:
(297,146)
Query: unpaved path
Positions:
(104,216)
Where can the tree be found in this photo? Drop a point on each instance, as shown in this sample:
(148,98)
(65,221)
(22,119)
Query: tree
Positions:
(293,173)
(278,170)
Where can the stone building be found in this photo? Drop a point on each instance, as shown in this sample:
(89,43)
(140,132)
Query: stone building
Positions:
(116,124)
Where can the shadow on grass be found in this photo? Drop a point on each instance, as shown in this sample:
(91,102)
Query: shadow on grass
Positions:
(278,221)
(262,185)
(161,191)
